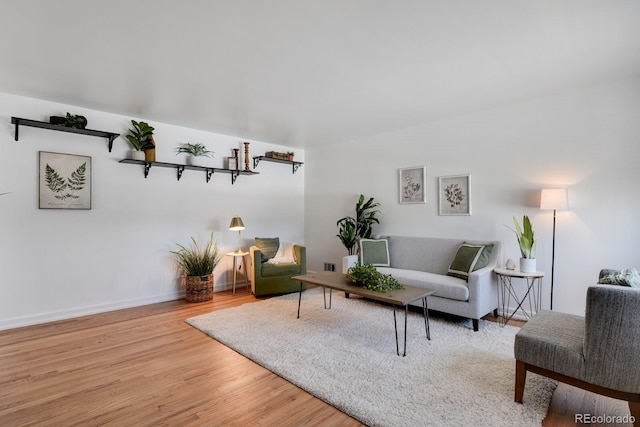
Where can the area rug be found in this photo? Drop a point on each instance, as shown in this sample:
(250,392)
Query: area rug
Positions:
(346,356)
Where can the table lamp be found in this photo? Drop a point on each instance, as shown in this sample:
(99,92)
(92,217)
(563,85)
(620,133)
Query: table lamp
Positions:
(237,225)
(553,199)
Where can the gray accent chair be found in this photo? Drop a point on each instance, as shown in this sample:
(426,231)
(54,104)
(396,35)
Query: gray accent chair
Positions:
(599,352)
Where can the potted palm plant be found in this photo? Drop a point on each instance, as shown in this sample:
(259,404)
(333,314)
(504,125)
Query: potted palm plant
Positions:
(141,139)
(350,228)
(194,151)
(197,264)
(527,243)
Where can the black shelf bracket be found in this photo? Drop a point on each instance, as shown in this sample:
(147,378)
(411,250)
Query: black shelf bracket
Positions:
(17,121)
(180,169)
(294,165)
(209,172)
(147,168)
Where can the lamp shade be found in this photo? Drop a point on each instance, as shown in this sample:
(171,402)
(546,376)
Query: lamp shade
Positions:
(236,224)
(554,199)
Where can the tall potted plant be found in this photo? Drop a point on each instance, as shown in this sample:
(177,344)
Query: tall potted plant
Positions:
(197,264)
(527,243)
(350,228)
(194,151)
(141,139)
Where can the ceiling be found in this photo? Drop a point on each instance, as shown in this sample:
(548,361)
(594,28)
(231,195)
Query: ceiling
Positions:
(301,72)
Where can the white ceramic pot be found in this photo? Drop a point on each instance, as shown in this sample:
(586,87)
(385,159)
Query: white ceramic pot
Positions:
(194,161)
(528,265)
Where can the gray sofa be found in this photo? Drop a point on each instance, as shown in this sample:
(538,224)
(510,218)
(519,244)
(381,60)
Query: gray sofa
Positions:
(424,262)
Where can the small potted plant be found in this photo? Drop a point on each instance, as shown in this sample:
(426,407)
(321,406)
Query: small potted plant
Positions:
(141,139)
(527,243)
(197,264)
(70,120)
(290,154)
(367,276)
(194,151)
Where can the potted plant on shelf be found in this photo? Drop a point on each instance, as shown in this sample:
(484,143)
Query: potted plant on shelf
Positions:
(73,121)
(197,264)
(290,154)
(141,138)
(194,151)
(527,243)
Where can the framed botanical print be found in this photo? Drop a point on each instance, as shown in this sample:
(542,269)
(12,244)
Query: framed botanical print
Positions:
(454,195)
(413,185)
(65,181)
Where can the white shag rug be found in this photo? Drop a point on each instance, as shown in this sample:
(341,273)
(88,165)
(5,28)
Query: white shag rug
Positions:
(346,356)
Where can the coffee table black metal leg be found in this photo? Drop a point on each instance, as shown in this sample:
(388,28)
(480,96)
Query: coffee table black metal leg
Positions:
(299,300)
(395,326)
(324,297)
(425,313)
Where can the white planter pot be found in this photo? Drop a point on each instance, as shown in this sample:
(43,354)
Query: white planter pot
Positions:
(136,155)
(194,161)
(528,265)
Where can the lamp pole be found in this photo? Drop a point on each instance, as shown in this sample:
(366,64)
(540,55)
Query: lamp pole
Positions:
(553,256)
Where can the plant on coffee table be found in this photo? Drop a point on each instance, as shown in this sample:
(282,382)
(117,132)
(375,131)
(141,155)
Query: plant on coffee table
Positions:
(367,276)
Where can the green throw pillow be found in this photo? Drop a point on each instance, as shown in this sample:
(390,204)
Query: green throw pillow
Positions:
(374,252)
(268,247)
(470,257)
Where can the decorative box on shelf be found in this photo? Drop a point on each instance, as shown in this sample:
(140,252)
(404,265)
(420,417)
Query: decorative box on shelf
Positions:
(276,155)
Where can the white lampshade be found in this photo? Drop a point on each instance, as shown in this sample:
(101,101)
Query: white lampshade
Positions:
(236,224)
(554,199)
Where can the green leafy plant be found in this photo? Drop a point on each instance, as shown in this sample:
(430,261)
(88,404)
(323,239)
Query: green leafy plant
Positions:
(75,121)
(525,237)
(195,150)
(57,184)
(367,276)
(141,136)
(350,228)
(196,260)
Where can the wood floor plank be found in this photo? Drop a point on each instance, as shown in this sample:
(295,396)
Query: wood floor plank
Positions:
(145,366)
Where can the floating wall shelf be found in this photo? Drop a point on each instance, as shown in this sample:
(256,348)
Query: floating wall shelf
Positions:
(180,168)
(295,165)
(44,125)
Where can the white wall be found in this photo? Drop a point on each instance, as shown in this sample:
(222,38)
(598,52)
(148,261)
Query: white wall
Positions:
(587,140)
(62,263)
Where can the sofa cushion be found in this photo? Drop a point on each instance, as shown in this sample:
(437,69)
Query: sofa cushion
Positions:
(283,269)
(469,257)
(374,252)
(445,286)
(268,247)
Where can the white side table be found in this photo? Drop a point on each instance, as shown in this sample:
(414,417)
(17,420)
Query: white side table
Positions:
(235,256)
(506,292)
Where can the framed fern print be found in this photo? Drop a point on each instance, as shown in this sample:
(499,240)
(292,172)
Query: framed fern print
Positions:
(65,181)
(454,195)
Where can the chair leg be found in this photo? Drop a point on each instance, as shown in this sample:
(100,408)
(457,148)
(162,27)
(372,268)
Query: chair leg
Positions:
(521,377)
(475,325)
(635,412)
(495,312)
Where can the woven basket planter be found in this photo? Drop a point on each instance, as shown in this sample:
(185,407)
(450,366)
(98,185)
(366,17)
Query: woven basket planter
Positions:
(199,288)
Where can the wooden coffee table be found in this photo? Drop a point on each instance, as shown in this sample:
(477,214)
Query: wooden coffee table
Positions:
(397,297)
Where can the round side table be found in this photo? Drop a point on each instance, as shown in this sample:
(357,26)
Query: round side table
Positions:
(507,292)
(236,255)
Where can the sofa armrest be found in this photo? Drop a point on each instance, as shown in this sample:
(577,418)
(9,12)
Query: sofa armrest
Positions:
(483,289)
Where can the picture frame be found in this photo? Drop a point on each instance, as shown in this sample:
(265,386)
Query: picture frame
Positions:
(64,181)
(454,194)
(412,185)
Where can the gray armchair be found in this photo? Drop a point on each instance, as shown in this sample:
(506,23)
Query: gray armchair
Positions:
(599,352)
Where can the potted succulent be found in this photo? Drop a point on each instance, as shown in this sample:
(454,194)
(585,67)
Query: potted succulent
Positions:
(197,264)
(350,228)
(290,154)
(367,276)
(141,139)
(70,120)
(195,151)
(527,243)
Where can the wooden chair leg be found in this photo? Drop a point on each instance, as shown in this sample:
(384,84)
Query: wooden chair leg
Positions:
(635,412)
(521,377)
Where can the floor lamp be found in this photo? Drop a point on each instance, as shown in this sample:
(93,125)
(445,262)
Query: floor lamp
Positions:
(553,199)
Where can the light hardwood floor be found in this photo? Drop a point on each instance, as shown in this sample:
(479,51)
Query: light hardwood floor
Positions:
(146,366)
